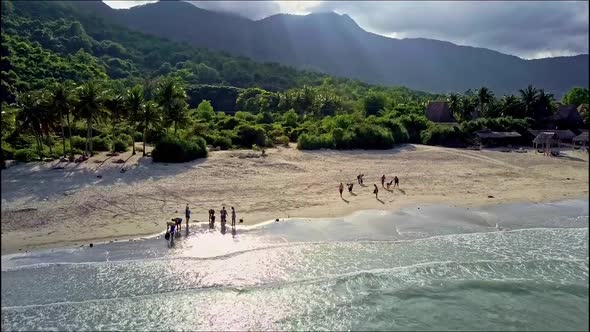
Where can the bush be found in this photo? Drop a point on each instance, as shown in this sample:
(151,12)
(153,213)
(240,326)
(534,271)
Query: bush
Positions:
(7,151)
(442,135)
(372,137)
(224,143)
(101,144)
(248,135)
(308,141)
(282,140)
(175,150)
(25,155)
(137,136)
(78,142)
(119,145)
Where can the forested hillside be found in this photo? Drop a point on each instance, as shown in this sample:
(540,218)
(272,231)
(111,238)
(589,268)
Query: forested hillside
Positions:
(74,84)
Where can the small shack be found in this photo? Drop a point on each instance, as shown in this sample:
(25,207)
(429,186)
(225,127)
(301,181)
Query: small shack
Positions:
(438,111)
(581,139)
(562,135)
(486,137)
(546,140)
(567,116)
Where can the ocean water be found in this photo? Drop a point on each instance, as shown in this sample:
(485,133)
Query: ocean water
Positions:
(503,267)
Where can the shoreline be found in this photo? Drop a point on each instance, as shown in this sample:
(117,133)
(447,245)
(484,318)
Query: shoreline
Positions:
(139,237)
(43,208)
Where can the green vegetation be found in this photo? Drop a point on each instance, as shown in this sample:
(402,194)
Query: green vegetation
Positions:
(74,84)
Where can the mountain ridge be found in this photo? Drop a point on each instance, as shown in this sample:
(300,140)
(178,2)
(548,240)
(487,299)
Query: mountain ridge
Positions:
(335,44)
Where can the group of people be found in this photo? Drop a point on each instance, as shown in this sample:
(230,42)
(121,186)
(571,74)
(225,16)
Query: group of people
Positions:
(394,181)
(223,217)
(174,226)
(360,179)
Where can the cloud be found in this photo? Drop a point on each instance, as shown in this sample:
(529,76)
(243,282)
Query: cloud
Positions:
(529,29)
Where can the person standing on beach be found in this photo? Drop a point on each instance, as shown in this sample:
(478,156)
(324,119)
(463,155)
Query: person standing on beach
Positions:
(376,191)
(211,218)
(383,181)
(350,185)
(396,181)
(187,214)
(341,189)
(233,217)
(223,214)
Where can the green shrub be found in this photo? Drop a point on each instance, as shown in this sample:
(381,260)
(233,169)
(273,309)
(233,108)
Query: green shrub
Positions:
(282,140)
(119,145)
(224,143)
(372,137)
(7,151)
(308,141)
(442,135)
(248,135)
(78,142)
(176,150)
(137,136)
(25,155)
(101,144)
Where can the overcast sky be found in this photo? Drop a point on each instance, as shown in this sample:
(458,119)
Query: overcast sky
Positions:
(529,29)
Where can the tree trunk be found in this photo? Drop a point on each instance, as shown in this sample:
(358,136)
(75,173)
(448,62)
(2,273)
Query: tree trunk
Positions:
(63,135)
(87,137)
(91,151)
(133,143)
(144,133)
(70,133)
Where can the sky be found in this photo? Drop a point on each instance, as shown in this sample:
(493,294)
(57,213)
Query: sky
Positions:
(528,29)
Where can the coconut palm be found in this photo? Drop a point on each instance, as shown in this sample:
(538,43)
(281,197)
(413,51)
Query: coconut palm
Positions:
(543,104)
(510,106)
(529,97)
(60,102)
(134,103)
(484,97)
(454,103)
(172,99)
(150,118)
(29,117)
(90,107)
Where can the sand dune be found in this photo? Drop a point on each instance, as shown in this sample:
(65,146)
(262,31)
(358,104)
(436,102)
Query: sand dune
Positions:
(46,207)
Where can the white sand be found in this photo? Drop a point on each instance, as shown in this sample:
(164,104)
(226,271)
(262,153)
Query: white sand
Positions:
(43,207)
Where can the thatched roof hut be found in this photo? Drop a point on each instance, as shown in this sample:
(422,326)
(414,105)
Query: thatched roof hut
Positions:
(546,138)
(567,116)
(439,111)
(562,135)
(582,138)
(488,137)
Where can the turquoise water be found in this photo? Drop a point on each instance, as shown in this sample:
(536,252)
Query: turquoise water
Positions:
(509,267)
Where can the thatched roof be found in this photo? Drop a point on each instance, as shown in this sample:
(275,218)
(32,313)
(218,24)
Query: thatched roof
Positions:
(568,115)
(488,134)
(545,137)
(561,134)
(583,137)
(439,111)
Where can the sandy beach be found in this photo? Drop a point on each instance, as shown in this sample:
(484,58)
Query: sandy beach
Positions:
(93,202)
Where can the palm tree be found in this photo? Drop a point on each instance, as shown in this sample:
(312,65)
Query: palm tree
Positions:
(29,117)
(484,97)
(467,109)
(454,100)
(528,97)
(544,102)
(172,99)
(510,106)
(134,103)
(60,103)
(150,118)
(90,107)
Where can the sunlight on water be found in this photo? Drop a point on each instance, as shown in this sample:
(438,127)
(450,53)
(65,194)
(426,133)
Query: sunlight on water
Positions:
(437,268)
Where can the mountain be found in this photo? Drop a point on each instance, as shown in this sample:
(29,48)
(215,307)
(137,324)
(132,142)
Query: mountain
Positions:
(336,45)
